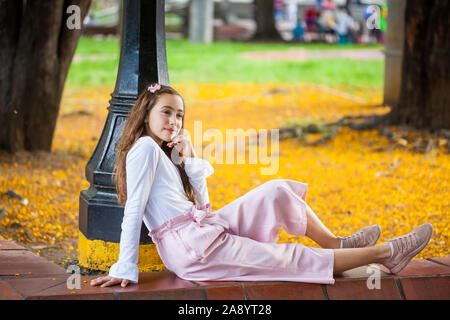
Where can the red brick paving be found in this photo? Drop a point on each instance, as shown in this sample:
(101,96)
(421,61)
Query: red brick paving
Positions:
(430,288)
(358,290)
(442,260)
(24,275)
(226,292)
(23,262)
(285,291)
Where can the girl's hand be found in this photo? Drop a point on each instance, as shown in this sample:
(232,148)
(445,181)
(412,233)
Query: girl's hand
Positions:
(183,144)
(107,281)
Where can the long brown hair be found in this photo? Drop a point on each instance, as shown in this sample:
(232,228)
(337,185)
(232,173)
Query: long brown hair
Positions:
(133,129)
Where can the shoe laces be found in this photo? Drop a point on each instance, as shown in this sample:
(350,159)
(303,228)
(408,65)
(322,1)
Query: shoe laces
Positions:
(353,239)
(405,242)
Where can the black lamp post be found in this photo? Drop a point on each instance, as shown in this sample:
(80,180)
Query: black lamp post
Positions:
(142,60)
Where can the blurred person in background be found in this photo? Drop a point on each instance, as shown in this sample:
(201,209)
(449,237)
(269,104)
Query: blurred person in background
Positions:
(299,31)
(278,8)
(327,25)
(291,11)
(344,25)
(311,15)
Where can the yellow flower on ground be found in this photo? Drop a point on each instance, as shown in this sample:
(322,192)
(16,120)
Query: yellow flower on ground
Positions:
(356,179)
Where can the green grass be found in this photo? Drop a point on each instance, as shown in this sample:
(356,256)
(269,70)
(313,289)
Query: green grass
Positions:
(221,62)
(88,45)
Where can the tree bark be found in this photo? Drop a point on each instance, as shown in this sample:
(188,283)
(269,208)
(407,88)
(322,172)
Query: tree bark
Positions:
(36,49)
(265,22)
(424,100)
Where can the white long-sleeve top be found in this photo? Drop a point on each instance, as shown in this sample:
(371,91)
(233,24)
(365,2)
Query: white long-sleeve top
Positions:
(155,194)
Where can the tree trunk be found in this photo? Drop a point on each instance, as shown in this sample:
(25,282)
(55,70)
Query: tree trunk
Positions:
(265,22)
(36,48)
(424,100)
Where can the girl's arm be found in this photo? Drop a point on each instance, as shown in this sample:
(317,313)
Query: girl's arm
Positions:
(198,170)
(141,163)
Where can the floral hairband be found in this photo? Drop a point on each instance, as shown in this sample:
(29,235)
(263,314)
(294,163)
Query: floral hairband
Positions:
(154,88)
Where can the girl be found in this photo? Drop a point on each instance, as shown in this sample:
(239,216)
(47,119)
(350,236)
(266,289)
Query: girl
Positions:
(162,182)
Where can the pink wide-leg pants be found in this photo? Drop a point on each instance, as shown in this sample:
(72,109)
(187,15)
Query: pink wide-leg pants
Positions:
(238,241)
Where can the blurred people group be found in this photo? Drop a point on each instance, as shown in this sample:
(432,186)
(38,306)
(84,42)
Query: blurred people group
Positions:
(327,22)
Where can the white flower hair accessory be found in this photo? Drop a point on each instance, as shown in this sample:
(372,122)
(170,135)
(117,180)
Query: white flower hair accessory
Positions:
(154,88)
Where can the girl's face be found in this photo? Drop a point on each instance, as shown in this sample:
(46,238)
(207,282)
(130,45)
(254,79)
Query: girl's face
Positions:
(166,118)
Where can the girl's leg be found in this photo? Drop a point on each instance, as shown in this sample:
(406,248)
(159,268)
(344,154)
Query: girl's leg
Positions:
(260,213)
(317,231)
(345,259)
(234,258)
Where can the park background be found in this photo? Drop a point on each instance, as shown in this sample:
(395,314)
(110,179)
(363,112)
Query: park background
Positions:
(396,177)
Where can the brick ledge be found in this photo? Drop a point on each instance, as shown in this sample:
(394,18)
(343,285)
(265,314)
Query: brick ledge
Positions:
(24,275)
